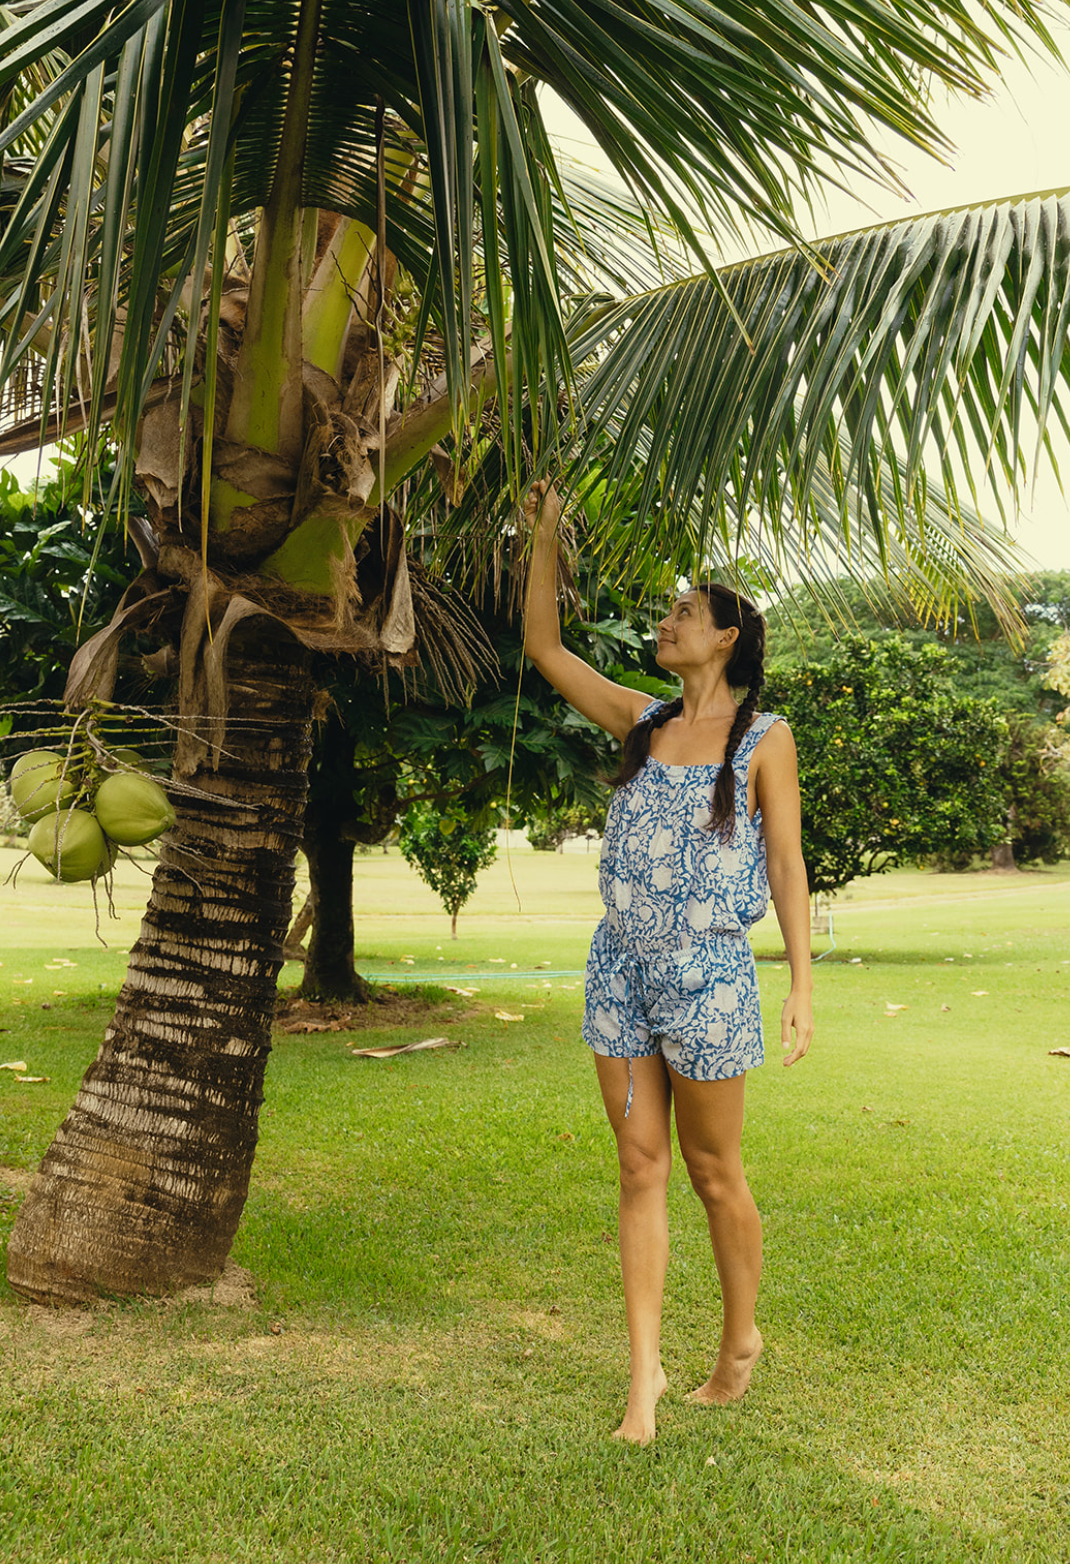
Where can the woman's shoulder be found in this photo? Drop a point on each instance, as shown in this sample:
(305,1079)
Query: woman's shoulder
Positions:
(765,722)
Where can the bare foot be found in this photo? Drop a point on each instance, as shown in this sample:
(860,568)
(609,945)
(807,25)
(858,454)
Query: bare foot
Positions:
(638,1425)
(730,1377)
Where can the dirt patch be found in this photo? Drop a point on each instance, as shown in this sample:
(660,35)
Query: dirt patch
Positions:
(235,1289)
(16,1179)
(388,1008)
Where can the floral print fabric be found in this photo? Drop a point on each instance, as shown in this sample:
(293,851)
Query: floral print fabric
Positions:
(670,969)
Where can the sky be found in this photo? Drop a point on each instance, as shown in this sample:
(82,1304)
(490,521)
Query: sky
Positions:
(1013,143)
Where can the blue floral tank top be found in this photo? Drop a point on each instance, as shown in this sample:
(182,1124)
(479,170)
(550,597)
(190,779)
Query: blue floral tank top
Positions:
(667,881)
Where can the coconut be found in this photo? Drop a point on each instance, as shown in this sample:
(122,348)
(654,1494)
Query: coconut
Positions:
(40,784)
(127,760)
(71,845)
(132,809)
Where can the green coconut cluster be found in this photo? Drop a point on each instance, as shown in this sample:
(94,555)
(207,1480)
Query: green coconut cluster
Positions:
(76,840)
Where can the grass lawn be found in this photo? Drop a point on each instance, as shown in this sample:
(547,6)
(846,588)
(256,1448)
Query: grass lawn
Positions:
(436,1353)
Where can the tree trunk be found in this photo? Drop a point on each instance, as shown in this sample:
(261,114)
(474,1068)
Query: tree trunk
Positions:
(344,809)
(1003,858)
(329,846)
(329,969)
(144,1184)
(293,950)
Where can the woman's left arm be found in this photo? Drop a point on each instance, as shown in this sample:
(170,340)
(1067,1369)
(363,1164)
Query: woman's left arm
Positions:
(776,784)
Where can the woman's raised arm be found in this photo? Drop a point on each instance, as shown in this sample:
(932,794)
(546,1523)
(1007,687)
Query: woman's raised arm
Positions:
(612,706)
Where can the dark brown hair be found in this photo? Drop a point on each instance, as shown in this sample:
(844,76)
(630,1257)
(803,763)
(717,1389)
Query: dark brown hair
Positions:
(746,670)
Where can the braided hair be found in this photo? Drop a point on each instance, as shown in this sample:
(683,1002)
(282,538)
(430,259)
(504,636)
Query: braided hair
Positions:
(745,670)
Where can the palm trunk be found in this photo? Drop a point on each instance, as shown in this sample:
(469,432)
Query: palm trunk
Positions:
(144,1184)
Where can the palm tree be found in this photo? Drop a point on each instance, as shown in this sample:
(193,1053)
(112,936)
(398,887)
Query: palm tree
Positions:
(293,250)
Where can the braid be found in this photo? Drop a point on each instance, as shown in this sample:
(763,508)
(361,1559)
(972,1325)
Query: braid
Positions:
(723,806)
(746,668)
(636,746)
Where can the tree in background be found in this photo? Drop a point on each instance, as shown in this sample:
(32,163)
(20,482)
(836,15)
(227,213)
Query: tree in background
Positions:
(894,764)
(811,621)
(1036,797)
(551,828)
(987,664)
(448,849)
(61,576)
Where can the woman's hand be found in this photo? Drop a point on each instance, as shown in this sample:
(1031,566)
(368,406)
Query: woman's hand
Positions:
(542,506)
(797,1015)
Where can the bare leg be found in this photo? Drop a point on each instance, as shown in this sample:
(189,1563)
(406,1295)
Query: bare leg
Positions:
(709,1123)
(644,1154)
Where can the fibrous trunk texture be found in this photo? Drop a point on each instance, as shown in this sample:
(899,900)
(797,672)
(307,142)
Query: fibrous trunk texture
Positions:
(142,1189)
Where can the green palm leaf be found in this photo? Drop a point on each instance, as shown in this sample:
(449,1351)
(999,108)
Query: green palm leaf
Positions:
(907,342)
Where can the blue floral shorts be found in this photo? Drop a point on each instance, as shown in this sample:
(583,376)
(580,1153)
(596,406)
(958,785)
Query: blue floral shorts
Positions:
(697,1007)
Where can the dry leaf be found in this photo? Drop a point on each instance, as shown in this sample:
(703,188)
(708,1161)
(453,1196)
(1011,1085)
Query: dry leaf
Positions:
(1064,1053)
(979,992)
(507,1015)
(892,1008)
(465,992)
(403,1048)
(19,1066)
(32,1080)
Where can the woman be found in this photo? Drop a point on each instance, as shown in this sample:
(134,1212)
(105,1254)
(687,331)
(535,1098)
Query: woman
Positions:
(692,848)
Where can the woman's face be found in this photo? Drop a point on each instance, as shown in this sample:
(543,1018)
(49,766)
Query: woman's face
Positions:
(688,637)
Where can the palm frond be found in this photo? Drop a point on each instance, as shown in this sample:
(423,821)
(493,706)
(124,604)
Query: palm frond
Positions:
(941,342)
(732,113)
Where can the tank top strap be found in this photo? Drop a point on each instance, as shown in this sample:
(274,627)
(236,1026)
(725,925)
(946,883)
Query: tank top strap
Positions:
(757,730)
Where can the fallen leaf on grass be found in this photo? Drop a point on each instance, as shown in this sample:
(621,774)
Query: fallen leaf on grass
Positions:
(32,1080)
(466,993)
(979,992)
(302,1027)
(1064,1053)
(540,964)
(892,1008)
(404,1048)
(17,1065)
(507,1015)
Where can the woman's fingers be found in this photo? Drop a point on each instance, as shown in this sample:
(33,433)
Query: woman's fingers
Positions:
(802,1023)
(541,500)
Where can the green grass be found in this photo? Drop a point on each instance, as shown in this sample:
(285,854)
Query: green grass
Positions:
(438,1351)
